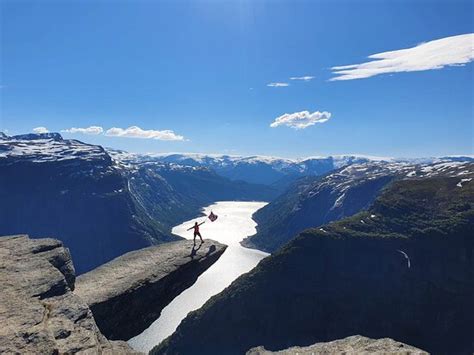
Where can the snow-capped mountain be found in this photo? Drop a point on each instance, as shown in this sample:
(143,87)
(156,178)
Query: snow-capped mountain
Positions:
(278,172)
(254,169)
(314,201)
(49,147)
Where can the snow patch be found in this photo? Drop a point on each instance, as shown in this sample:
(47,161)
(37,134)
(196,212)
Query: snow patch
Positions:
(459,184)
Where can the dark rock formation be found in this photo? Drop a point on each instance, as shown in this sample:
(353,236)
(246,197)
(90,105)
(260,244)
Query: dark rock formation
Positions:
(404,269)
(355,344)
(128,293)
(38,312)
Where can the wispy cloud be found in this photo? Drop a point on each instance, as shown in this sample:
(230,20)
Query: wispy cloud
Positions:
(303,78)
(40,130)
(301,120)
(437,54)
(278,85)
(137,132)
(94,130)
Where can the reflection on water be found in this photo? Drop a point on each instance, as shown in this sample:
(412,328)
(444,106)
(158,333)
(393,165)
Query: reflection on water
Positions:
(234,224)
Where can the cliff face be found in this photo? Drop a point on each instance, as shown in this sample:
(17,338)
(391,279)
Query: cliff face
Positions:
(404,270)
(128,293)
(39,314)
(351,345)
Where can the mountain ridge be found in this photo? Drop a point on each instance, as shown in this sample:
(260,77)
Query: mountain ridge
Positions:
(314,201)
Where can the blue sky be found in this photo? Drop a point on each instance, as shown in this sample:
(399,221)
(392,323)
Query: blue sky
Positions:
(200,69)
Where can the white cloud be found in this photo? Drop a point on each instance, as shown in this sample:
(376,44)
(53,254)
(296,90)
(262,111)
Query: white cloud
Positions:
(40,130)
(94,130)
(303,78)
(437,54)
(137,132)
(301,120)
(278,85)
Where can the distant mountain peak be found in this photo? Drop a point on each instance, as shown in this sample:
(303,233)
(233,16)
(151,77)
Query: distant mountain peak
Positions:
(35,136)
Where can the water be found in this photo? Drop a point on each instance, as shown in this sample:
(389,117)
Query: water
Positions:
(234,224)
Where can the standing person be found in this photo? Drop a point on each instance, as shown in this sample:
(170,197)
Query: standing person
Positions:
(196,231)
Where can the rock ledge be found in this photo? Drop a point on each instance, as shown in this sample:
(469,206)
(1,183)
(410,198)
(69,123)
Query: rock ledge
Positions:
(128,293)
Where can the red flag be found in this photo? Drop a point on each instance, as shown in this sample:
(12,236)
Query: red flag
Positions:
(212,216)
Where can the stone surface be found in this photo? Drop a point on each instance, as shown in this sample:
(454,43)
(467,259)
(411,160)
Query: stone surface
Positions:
(38,311)
(128,293)
(351,345)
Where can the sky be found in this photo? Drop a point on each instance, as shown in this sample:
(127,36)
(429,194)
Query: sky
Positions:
(280,78)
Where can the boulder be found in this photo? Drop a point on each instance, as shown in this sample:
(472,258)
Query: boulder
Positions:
(351,345)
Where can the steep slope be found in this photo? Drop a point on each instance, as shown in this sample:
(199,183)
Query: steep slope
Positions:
(66,188)
(314,201)
(404,269)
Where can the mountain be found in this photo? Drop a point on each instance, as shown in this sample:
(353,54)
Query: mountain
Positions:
(314,201)
(403,269)
(274,171)
(99,206)
(278,172)
(73,190)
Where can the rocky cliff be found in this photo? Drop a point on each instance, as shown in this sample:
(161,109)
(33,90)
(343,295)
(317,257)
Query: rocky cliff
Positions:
(404,269)
(128,293)
(351,345)
(39,314)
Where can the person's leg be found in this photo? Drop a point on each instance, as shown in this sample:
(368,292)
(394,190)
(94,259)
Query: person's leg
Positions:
(200,237)
(194,238)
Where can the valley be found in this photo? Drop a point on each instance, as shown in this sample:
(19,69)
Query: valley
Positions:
(357,246)
(403,269)
(233,224)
